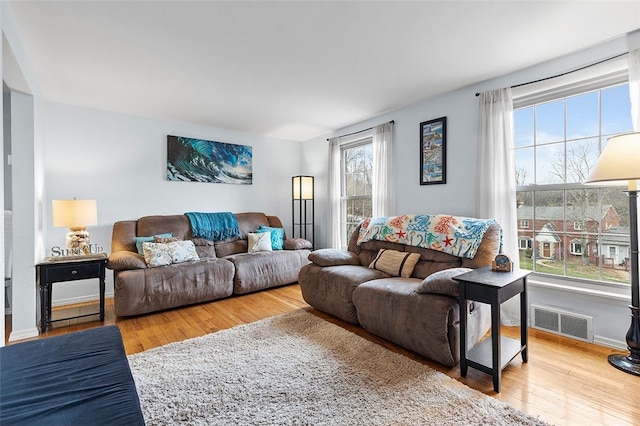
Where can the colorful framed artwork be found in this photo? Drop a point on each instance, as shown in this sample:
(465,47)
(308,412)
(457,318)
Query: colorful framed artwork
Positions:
(433,144)
(197,160)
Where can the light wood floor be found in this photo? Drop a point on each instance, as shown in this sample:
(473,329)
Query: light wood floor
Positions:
(565,382)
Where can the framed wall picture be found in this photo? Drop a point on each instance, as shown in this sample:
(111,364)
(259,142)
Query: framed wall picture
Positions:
(433,150)
(197,160)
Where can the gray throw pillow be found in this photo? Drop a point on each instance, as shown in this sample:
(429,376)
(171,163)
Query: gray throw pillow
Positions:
(442,282)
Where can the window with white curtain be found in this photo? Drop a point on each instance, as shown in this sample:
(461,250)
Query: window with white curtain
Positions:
(558,135)
(356,184)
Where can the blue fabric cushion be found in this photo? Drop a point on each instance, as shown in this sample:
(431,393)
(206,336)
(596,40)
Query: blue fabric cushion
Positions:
(71,379)
(277,236)
(140,240)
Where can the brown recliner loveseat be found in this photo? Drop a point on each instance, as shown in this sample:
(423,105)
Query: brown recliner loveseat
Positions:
(224,267)
(342,283)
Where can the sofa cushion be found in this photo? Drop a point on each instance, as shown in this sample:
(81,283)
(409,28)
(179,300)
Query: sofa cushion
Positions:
(257,271)
(259,242)
(153,289)
(442,282)
(391,308)
(177,224)
(334,257)
(396,263)
(487,250)
(249,222)
(204,248)
(277,236)
(330,288)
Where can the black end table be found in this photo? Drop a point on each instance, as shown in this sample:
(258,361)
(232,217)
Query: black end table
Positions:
(488,286)
(68,268)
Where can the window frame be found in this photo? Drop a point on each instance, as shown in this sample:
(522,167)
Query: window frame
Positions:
(561,92)
(528,243)
(360,140)
(572,247)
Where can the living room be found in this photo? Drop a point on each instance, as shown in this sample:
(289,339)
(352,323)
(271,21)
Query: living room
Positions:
(119,158)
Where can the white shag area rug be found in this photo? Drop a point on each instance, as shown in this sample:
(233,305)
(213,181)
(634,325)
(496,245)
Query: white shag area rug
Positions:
(297,369)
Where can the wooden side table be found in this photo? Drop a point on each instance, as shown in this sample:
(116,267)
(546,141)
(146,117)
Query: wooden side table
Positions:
(69,268)
(487,286)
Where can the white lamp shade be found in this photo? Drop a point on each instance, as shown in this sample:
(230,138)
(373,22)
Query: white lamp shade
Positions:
(74,213)
(303,184)
(619,163)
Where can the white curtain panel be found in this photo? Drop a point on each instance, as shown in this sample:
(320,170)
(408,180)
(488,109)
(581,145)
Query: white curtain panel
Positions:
(335,204)
(496,182)
(634,87)
(382,190)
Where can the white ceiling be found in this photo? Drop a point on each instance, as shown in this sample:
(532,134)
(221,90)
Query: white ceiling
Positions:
(298,69)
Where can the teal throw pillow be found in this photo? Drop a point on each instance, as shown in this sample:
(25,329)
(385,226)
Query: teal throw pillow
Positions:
(140,240)
(277,236)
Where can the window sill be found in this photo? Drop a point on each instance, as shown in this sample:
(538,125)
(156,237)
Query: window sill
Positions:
(621,294)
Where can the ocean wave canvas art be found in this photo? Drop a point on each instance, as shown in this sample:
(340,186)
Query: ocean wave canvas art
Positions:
(197,160)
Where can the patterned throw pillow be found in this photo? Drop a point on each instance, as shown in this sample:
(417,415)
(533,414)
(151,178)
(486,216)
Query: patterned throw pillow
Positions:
(277,236)
(259,242)
(396,263)
(150,239)
(182,251)
(161,254)
(156,254)
(165,240)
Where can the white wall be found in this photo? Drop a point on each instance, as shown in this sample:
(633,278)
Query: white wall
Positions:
(458,195)
(120,161)
(2,296)
(27,183)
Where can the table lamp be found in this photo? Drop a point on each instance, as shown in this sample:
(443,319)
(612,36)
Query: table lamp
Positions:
(76,215)
(619,164)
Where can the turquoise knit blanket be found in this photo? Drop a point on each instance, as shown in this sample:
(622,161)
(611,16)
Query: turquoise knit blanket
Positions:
(214,226)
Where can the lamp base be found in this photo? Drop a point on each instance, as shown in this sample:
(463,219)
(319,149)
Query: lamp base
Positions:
(630,363)
(624,363)
(78,241)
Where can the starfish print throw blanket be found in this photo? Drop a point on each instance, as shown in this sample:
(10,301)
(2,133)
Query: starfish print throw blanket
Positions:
(459,236)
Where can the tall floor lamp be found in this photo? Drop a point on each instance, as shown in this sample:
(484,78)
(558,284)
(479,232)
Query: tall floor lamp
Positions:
(302,195)
(619,163)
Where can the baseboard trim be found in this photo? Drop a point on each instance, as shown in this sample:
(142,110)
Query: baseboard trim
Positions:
(81,299)
(23,334)
(611,343)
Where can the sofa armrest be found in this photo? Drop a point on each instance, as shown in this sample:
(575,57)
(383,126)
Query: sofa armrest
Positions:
(125,260)
(297,244)
(334,257)
(443,282)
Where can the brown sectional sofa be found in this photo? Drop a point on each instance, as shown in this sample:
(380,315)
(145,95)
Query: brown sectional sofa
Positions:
(224,268)
(340,283)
